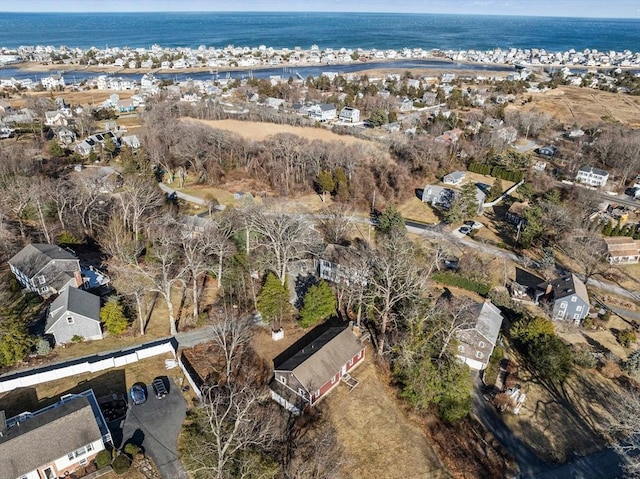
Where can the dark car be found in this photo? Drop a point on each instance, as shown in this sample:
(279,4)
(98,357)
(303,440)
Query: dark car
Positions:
(158,388)
(138,393)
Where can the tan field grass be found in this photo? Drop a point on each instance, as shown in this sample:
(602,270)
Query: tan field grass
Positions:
(376,436)
(258,131)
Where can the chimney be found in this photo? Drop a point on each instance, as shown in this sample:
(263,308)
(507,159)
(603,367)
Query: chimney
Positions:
(78,277)
(3,423)
(548,290)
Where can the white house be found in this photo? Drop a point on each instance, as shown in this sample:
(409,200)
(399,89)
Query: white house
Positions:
(591,176)
(349,114)
(54,441)
(52,82)
(322,112)
(454,178)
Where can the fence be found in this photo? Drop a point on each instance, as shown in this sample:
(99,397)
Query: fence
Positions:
(92,364)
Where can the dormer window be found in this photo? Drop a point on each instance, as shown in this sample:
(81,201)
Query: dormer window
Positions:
(69,319)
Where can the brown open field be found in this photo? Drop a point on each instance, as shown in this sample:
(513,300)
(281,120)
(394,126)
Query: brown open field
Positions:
(376,436)
(88,97)
(258,131)
(585,106)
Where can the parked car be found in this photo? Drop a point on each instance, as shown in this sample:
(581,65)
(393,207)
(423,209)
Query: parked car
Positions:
(138,393)
(465,230)
(158,388)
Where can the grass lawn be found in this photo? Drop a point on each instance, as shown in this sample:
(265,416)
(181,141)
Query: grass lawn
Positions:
(415,210)
(376,436)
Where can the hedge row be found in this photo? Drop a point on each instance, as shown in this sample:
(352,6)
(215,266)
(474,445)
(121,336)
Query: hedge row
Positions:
(454,280)
(496,172)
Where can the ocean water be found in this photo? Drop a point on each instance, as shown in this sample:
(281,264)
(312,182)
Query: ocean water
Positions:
(350,30)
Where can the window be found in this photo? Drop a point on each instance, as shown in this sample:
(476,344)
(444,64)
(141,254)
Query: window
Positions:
(563,306)
(333,379)
(89,447)
(283,380)
(80,452)
(44,289)
(351,362)
(69,319)
(83,461)
(70,456)
(41,279)
(302,392)
(481,344)
(479,355)
(574,299)
(461,349)
(579,308)
(576,316)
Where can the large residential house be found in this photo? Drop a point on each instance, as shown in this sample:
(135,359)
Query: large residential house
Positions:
(476,343)
(314,365)
(591,176)
(349,114)
(568,297)
(322,112)
(46,269)
(75,313)
(623,250)
(53,81)
(54,441)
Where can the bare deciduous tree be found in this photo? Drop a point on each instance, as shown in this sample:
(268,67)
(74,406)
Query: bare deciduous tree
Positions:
(231,333)
(285,238)
(395,278)
(587,249)
(336,222)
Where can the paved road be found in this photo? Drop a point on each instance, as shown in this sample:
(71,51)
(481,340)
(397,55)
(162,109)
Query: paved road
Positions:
(155,426)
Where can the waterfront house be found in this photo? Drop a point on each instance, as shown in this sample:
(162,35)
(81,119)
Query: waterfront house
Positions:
(46,269)
(53,82)
(623,250)
(54,441)
(315,364)
(74,313)
(476,342)
(591,176)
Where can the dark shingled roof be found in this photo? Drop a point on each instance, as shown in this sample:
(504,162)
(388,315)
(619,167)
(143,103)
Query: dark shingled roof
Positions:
(319,355)
(35,256)
(47,436)
(74,300)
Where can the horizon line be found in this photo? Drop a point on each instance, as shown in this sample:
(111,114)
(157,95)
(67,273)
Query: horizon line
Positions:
(316,11)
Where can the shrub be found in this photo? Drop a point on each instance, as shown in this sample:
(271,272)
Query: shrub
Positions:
(121,464)
(626,337)
(43,348)
(461,282)
(632,364)
(77,338)
(585,359)
(103,459)
(131,449)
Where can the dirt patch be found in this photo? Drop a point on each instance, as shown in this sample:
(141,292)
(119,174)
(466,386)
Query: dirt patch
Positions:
(375,435)
(258,131)
(585,106)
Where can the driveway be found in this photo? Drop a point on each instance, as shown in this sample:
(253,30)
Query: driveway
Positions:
(155,426)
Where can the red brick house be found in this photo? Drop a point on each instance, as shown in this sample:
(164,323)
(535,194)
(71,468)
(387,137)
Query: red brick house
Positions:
(314,365)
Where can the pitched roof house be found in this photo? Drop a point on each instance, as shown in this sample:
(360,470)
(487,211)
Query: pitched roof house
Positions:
(54,441)
(314,365)
(74,313)
(454,178)
(568,296)
(46,269)
(350,114)
(623,250)
(592,176)
(476,343)
(322,112)
(342,264)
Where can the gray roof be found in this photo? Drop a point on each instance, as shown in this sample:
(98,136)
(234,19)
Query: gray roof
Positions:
(489,321)
(567,285)
(35,256)
(315,362)
(77,301)
(47,436)
(456,175)
(327,106)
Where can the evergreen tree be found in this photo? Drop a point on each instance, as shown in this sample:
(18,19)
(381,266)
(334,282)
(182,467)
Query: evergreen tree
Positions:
(319,303)
(464,205)
(533,227)
(113,317)
(608,228)
(391,221)
(325,183)
(341,182)
(55,149)
(273,301)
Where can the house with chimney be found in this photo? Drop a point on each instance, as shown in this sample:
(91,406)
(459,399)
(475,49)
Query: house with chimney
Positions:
(567,297)
(46,269)
(55,441)
(314,365)
(476,343)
